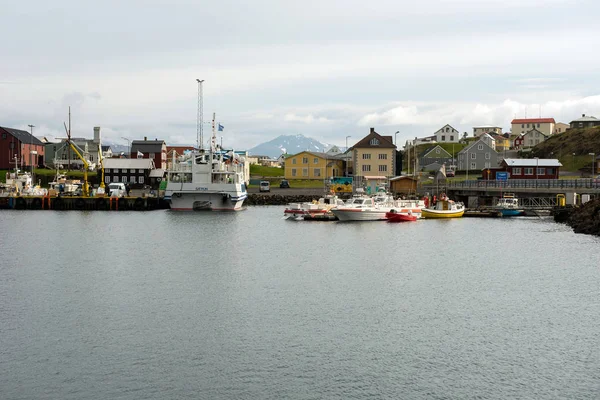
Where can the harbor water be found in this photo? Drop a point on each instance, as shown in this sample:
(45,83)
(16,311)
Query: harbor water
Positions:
(245,305)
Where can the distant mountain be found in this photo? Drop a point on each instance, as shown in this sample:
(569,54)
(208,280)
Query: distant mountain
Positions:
(290,144)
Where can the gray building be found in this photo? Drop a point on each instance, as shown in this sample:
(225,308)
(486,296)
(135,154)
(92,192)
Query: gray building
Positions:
(61,153)
(434,155)
(477,156)
(585,122)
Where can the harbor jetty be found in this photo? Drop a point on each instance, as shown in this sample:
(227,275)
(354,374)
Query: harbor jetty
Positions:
(583,219)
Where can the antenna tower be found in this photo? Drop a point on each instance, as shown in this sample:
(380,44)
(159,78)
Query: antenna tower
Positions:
(200,116)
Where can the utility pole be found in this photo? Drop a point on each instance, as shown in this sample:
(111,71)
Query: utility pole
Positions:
(69,141)
(347,155)
(31,153)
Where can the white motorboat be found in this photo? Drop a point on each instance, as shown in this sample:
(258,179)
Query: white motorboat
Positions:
(362,208)
(324,205)
(207,179)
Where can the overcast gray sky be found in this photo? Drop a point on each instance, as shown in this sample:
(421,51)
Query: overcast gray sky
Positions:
(325,69)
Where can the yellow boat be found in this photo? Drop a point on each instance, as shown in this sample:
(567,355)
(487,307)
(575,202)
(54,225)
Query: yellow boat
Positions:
(444,208)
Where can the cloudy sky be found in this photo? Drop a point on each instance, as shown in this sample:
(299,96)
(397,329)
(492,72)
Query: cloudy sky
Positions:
(325,69)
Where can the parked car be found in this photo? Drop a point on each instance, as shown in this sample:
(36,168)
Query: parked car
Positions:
(284,184)
(264,186)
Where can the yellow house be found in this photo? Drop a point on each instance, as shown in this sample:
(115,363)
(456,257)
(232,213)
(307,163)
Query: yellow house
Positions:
(502,143)
(313,165)
(374,155)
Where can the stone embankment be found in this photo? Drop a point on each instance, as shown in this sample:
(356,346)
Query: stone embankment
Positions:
(277,199)
(584,219)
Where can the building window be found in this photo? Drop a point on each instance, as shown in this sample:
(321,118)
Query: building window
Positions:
(528,125)
(522,125)
(374,142)
(115,178)
(550,171)
(473,156)
(132,179)
(304,171)
(366,168)
(106,179)
(486,165)
(528,171)
(304,160)
(480,147)
(541,171)
(383,156)
(366,156)
(315,160)
(487,156)
(538,125)
(141,179)
(516,171)
(473,165)
(293,161)
(443,138)
(141,171)
(317,172)
(383,168)
(124,179)
(107,170)
(152,155)
(437,151)
(293,171)
(452,138)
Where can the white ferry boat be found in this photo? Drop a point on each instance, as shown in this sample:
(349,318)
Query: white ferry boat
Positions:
(207,179)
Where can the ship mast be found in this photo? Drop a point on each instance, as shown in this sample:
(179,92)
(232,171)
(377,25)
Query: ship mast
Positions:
(200,117)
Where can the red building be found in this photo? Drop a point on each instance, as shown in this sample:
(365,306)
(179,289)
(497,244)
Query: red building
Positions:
(18,144)
(153,149)
(525,168)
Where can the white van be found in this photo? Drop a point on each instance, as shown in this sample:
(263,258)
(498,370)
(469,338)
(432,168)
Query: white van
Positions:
(117,190)
(264,186)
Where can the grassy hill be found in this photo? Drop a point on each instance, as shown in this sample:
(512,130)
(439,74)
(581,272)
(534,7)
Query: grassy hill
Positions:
(572,148)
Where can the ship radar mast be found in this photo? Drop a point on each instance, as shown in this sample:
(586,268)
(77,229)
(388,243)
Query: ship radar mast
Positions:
(200,117)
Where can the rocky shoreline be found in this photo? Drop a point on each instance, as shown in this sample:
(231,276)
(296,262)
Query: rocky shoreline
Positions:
(584,219)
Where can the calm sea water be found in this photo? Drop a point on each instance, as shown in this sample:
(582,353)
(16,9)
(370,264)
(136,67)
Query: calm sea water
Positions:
(166,305)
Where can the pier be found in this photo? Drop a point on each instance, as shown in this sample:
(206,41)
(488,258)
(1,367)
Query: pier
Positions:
(83,203)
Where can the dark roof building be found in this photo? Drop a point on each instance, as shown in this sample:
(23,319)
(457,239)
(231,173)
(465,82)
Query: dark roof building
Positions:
(20,145)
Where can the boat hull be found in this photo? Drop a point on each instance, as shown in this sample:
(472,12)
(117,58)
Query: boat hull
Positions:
(426,213)
(396,217)
(511,212)
(206,202)
(359,215)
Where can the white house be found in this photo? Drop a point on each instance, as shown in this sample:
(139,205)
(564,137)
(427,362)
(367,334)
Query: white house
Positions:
(447,134)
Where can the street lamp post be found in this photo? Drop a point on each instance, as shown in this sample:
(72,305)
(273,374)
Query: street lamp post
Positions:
(347,154)
(573,162)
(128,146)
(593,162)
(31,152)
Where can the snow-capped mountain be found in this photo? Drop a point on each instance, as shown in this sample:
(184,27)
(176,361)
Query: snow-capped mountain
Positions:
(290,144)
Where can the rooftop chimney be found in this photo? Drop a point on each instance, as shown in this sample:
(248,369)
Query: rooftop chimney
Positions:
(372,130)
(97,135)
(145,138)
(582,115)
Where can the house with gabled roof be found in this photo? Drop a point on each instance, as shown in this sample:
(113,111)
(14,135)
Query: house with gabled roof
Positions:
(22,146)
(374,155)
(152,149)
(533,138)
(447,134)
(435,154)
(477,156)
(585,122)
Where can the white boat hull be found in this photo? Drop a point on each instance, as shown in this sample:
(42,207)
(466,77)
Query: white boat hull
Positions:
(359,214)
(206,201)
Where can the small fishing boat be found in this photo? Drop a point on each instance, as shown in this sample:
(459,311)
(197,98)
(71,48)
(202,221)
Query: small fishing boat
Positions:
(394,216)
(509,206)
(444,208)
